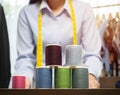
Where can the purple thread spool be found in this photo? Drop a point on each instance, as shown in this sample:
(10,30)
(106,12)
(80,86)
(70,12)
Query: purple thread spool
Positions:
(53,55)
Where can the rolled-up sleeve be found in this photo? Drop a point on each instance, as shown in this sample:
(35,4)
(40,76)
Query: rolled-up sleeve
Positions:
(91,43)
(25,48)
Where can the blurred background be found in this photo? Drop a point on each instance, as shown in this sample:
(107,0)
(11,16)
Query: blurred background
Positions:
(107,14)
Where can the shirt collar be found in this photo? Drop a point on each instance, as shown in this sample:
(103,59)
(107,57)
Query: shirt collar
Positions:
(67,7)
(45,5)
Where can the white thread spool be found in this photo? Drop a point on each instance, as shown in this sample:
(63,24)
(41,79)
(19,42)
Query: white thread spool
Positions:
(73,55)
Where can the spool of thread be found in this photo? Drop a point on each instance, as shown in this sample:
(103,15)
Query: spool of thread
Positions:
(44,77)
(53,55)
(117,84)
(73,55)
(18,82)
(80,77)
(62,77)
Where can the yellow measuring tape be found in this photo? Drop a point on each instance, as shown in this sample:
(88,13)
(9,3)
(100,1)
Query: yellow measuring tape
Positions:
(73,23)
(39,42)
(39,39)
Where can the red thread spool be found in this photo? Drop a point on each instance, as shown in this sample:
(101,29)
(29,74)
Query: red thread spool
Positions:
(18,82)
(53,55)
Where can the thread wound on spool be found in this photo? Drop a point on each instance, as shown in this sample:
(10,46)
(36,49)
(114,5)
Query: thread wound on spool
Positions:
(53,55)
(79,77)
(73,55)
(44,77)
(18,82)
(62,77)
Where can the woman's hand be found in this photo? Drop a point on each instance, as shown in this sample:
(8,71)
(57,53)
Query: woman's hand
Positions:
(27,83)
(93,83)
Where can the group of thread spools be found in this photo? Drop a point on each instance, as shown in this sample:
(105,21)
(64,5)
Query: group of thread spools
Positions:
(55,75)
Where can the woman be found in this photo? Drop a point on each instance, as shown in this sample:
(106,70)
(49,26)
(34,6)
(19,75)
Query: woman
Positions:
(56,24)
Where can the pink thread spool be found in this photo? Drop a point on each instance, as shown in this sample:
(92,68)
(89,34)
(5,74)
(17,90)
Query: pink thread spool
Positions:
(18,82)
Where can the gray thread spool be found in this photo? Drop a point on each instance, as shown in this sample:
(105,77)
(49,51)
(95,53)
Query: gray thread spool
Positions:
(80,77)
(73,55)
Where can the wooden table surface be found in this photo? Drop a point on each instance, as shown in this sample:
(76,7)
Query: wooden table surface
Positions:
(60,92)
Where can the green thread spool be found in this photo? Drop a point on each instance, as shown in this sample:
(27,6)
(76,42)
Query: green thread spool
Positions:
(80,77)
(62,77)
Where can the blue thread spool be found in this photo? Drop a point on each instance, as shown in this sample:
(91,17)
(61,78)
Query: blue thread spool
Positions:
(117,85)
(44,77)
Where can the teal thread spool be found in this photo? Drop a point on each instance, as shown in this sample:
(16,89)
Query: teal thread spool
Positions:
(80,77)
(62,77)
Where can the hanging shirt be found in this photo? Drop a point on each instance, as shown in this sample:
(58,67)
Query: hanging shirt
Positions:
(57,29)
(116,38)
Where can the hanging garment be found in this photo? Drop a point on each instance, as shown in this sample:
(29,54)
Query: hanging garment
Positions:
(116,38)
(108,38)
(4,52)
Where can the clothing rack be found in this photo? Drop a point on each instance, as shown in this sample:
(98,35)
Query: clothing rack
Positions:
(106,6)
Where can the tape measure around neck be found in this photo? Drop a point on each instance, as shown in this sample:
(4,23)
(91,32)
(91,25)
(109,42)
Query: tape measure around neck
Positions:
(39,39)
(73,23)
(39,42)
